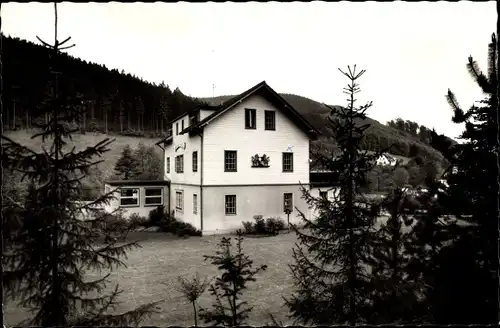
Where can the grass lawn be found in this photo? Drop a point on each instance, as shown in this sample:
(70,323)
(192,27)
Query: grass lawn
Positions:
(162,259)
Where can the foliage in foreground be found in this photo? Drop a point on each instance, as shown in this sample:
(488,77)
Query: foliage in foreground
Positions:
(236,271)
(192,289)
(331,280)
(46,264)
(471,296)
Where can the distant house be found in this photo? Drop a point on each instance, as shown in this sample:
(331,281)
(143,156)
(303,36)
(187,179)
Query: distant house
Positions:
(230,162)
(322,184)
(138,196)
(386,160)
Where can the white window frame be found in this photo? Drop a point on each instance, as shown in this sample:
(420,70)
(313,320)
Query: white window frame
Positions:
(291,162)
(179,200)
(292,199)
(195,161)
(155,196)
(252,120)
(130,197)
(226,157)
(226,207)
(179,164)
(266,121)
(195,203)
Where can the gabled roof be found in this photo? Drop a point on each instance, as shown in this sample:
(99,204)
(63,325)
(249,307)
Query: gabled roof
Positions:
(272,96)
(204,106)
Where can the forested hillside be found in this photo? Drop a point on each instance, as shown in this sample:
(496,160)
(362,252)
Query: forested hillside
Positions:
(122,103)
(115,101)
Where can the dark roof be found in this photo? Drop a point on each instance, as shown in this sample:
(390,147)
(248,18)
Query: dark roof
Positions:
(323,179)
(138,183)
(203,106)
(275,98)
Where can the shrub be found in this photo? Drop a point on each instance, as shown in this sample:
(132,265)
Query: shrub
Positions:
(167,223)
(260,225)
(157,216)
(274,225)
(248,228)
(135,220)
(270,226)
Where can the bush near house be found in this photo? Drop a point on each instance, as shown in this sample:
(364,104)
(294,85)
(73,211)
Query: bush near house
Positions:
(167,223)
(270,226)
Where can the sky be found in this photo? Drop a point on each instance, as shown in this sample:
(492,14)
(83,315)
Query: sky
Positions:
(412,52)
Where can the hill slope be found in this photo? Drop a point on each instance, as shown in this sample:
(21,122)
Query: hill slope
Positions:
(378,135)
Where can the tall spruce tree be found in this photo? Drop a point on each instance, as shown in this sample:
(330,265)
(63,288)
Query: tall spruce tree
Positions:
(399,292)
(465,281)
(331,278)
(47,264)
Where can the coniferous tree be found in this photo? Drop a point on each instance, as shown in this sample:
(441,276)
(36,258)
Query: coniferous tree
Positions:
(399,291)
(146,165)
(126,166)
(470,296)
(229,310)
(331,280)
(53,249)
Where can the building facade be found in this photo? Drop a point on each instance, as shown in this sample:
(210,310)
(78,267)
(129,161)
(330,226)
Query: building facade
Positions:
(246,157)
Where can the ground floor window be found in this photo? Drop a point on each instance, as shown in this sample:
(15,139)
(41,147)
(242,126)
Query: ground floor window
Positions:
(195,204)
(129,197)
(323,194)
(230,204)
(153,196)
(288,201)
(179,200)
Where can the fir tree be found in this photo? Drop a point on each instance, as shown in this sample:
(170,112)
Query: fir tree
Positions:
(398,289)
(229,286)
(331,279)
(465,277)
(126,166)
(54,248)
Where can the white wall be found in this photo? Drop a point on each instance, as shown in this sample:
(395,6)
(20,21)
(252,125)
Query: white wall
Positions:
(331,192)
(193,143)
(186,214)
(228,132)
(250,200)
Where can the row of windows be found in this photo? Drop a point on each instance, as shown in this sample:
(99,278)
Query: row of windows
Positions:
(251,119)
(230,162)
(131,196)
(229,202)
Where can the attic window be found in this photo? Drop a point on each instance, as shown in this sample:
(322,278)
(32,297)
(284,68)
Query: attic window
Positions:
(182,125)
(250,116)
(270,120)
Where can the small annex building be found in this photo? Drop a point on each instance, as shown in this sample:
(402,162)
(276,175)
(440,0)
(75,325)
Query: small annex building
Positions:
(138,196)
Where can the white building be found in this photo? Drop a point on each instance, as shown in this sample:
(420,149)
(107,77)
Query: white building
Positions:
(245,157)
(386,160)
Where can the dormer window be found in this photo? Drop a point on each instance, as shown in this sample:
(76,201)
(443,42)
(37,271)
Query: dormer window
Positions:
(250,117)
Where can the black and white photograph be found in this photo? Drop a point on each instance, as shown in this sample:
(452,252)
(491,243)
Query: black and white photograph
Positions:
(249,163)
